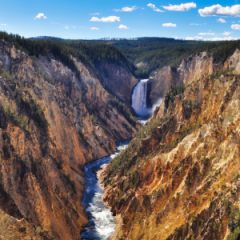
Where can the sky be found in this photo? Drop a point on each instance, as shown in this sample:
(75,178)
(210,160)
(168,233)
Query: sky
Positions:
(95,19)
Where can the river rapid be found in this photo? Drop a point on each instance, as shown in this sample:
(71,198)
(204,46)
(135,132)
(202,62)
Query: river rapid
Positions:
(101,222)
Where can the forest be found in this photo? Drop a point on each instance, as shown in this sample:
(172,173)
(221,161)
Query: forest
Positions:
(153,53)
(64,50)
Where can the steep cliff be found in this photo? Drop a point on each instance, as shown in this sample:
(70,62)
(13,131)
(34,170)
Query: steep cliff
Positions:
(52,121)
(191,69)
(117,80)
(179,178)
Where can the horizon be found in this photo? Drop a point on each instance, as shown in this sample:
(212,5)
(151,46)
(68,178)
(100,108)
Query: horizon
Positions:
(184,20)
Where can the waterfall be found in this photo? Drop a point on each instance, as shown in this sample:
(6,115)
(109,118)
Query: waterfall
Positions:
(139,98)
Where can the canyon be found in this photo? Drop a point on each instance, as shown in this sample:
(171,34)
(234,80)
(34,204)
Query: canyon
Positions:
(53,121)
(179,177)
(62,119)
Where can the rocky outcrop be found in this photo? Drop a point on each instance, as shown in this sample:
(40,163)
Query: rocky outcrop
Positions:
(160,84)
(117,80)
(52,121)
(190,70)
(179,178)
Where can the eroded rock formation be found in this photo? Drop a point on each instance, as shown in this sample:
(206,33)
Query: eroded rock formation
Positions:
(179,178)
(52,121)
(191,69)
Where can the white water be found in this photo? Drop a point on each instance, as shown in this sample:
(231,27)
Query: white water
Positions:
(139,102)
(101,222)
(139,98)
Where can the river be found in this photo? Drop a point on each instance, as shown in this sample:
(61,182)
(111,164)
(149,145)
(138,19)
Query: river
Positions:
(101,222)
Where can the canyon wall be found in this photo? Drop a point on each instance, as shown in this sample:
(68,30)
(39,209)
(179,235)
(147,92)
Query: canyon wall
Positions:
(179,178)
(191,69)
(52,121)
(117,80)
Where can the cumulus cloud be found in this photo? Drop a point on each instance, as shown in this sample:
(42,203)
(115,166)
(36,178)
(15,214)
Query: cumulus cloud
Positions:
(218,10)
(181,7)
(226,33)
(40,16)
(221,20)
(154,7)
(194,38)
(94,28)
(205,34)
(126,9)
(195,24)
(235,26)
(105,19)
(169,25)
(122,26)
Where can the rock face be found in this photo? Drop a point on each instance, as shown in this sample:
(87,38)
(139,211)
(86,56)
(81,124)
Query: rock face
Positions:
(191,69)
(51,122)
(117,80)
(161,83)
(179,178)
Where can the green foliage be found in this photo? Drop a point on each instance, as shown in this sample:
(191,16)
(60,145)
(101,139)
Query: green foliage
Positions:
(218,74)
(39,230)
(93,119)
(159,52)
(64,50)
(33,110)
(17,118)
(5,74)
(224,50)
(234,224)
(172,93)
(121,107)
(97,53)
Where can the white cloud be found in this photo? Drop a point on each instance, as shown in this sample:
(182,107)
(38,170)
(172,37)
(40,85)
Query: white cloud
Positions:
(151,5)
(154,7)
(181,7)
(169,25)
(3,24)
(126,9)
(67,27)
(221,39)
(106,19)
(194,38)
(226,33)
(122,26)
(94,13)
(40,16)
(94,28)
(221,20)
(235,26)
(195,24)
(212,39)
(218,10)
(205,34)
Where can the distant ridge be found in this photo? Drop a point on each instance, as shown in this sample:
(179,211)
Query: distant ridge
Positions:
(47,38)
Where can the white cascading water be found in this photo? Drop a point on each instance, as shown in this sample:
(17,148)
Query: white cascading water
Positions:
(101,222)
(139,98)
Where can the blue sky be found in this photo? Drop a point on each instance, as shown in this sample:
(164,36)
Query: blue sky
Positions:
(94,19)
